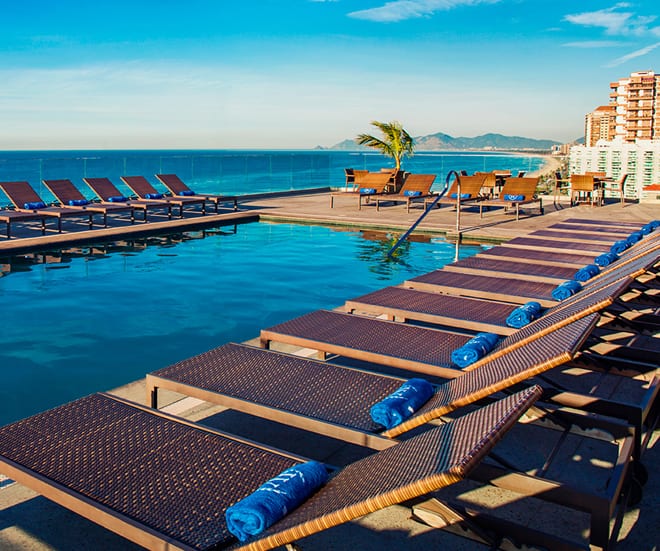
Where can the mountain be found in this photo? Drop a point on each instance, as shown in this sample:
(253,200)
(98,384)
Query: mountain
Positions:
(440,141)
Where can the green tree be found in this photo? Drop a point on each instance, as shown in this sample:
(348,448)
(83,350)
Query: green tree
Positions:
(395,143)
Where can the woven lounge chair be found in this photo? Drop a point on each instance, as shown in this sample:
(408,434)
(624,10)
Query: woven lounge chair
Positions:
(70,197)
(368,185)
(10,216)
(24,197)
(515,192)
(415,188)
(470,191)
(144,190)
(179,189)
(108,193)
(334,400)
(165,482)
(351,174)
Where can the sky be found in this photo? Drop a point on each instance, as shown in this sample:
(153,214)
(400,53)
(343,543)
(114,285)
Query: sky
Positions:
(296,74)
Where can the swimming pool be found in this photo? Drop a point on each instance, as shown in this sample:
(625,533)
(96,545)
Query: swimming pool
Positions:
(88,319)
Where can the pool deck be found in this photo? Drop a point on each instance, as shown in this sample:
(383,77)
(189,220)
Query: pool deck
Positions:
(28,521)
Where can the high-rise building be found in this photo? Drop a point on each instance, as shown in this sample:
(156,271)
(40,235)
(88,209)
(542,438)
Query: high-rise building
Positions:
(600,124)
(637,103)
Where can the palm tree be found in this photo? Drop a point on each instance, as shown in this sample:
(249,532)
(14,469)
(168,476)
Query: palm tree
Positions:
(396,142)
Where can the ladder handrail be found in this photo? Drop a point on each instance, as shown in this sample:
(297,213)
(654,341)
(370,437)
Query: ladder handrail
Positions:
(426,211)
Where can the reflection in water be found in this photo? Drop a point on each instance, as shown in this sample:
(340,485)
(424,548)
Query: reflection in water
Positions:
(131,247)
(373,251)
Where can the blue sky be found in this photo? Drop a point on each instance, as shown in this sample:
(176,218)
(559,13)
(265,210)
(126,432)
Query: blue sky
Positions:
(299,73)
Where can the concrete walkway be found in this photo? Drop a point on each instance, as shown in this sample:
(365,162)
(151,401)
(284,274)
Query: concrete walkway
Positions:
(28,521)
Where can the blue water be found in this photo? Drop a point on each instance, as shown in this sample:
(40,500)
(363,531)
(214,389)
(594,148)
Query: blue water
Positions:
(238,172)
(88,319)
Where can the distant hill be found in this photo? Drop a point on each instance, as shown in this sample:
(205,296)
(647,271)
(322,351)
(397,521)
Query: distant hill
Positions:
(440,141)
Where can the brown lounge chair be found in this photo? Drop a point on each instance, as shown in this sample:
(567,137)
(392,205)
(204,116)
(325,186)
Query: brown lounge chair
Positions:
(515,192)
(10,216)
(108,193)
(164,482)
(70,197)
(25,199)
(368,185)
(145,191)
(415,188)
(470,191)
(179,189)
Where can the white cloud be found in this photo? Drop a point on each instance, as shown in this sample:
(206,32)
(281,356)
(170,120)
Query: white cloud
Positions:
(593,44)
(615,22)
(399,10)
(638,53)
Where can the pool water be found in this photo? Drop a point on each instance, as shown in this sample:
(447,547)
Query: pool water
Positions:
(89,319)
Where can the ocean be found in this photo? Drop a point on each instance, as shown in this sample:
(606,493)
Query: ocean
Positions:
(234,172)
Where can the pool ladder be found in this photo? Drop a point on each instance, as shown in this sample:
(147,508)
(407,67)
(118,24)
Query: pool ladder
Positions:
(428,209)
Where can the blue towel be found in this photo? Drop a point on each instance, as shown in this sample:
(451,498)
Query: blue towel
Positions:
(78,202)
(523,315)
(474,349)
(566,290)
(402,403)
(274,499)
(605,259)
(186,193)
(34,206)
(117,199)
(509,197)
(634,237)
(409,193)
(367,190)
(463,195)
(153,196)
(619,246)
(586,273)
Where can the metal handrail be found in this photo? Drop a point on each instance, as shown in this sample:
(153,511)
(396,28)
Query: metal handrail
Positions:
(426,211)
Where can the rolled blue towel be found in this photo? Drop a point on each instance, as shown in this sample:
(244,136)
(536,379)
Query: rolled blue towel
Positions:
(153,196)
(654,224)
(117,199)
(509,197)
(368,190)
(78,202)
(566,290)
(463,195)
(523,315)
(586,273)
(35,205)
(402,403)
(274,499)
(474,349)
(605,259)
(186,193)
(634,237)
(619,246)
(410,193)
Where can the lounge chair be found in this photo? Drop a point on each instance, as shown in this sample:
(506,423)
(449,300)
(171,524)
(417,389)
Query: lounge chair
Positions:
(27,200)
(108,193)
(470,191)
(70,197)
(144,190)
(351,174)
(368,185)
(334,400)
(515,192)
(415,188)
(179,189)
(10,216)
(165,482)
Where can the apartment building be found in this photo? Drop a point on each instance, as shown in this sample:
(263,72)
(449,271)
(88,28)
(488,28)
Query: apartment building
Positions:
(600,124)
(636,100)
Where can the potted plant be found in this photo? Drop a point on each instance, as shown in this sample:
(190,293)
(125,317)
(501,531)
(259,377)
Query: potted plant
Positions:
(395,142)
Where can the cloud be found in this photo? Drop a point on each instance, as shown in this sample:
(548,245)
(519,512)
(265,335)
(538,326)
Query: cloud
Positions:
(615,22)
(593,44)
(638,53)
(400,10)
